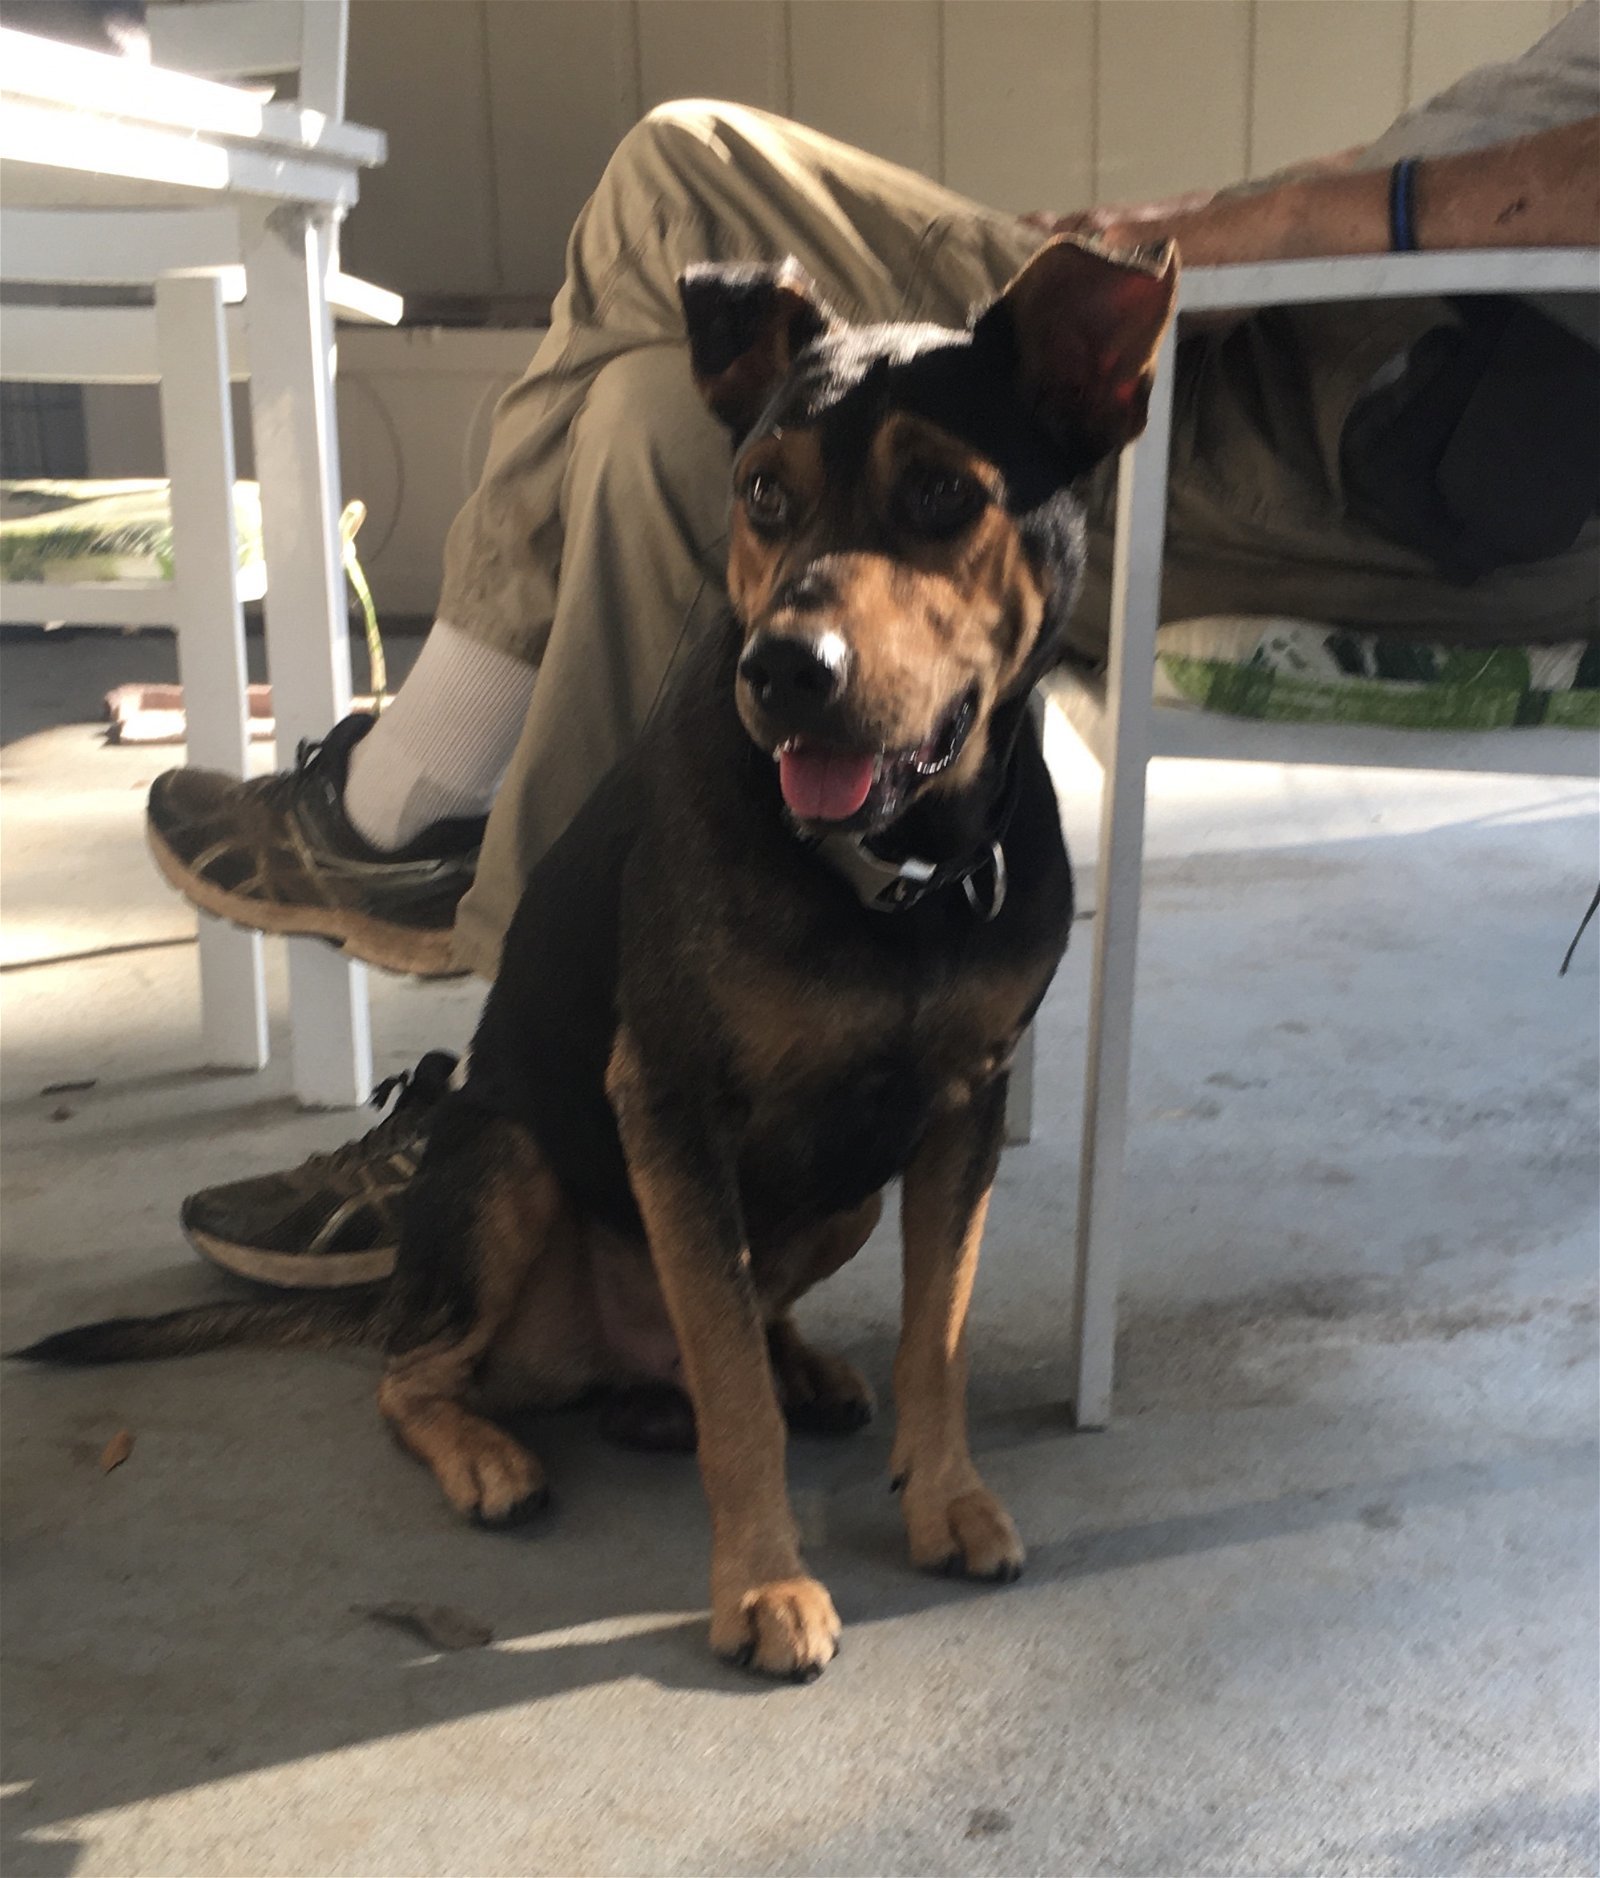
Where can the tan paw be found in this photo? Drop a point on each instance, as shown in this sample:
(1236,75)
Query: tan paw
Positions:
(967,1535)
(492,1480)
(787,1627)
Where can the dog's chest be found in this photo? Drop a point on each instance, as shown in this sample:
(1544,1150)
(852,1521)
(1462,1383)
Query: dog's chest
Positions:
(840,1080)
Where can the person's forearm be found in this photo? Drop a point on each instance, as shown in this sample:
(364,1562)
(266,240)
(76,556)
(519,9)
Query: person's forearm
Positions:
(1539,191)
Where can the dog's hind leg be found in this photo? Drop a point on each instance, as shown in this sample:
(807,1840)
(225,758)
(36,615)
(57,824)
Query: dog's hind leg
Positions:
(821,1394)
(480,1216)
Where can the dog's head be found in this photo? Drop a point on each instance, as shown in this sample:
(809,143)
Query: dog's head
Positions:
(904,545)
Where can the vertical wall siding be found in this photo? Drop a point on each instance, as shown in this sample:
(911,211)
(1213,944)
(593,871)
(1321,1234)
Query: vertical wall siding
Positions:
(502,113)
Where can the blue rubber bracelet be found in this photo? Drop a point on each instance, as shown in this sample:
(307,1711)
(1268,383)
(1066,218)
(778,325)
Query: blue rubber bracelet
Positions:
(1403,206)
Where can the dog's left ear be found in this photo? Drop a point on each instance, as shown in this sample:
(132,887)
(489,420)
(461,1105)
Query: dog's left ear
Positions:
(1085,326)
(746,322)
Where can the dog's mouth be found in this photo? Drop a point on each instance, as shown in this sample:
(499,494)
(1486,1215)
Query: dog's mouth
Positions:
(839,788)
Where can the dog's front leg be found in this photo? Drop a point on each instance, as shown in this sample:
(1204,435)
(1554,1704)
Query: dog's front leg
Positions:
(953,1521)
(766,1610)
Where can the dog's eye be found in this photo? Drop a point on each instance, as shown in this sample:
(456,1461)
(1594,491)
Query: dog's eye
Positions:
(938,502)
(766,501)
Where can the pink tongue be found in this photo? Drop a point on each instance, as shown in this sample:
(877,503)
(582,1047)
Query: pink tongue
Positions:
(822,785)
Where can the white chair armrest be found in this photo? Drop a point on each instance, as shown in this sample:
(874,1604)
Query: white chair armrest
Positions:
(1389,276)
(361,301)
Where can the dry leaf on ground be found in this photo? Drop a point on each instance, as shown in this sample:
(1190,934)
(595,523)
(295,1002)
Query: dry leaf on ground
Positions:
(437,1624)
(116,1450)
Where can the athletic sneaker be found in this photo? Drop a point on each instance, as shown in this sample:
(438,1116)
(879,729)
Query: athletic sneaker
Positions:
(334,1219)
(280,855)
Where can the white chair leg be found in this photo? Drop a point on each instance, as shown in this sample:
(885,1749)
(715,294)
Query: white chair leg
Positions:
(1135,612)
(197,431)
(1019,1093)
(308,649)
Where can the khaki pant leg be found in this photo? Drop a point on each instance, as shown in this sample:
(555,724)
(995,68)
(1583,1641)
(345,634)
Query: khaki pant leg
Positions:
(692,182)
(1256,518)
(595,541)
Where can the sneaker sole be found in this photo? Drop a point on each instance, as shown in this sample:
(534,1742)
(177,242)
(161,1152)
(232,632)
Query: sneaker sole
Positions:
(374,941)
(294,1271)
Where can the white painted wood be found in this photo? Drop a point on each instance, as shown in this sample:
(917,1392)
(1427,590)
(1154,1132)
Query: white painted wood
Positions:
(869,73)
(362,302)
(149,164)
(1023,99)
(308,648)
(99,345)
(197,430)
(228,39)
(1356,49)
(563,90)
(130,247)
(87,603)
(324,54)
(48,70)
(122,248)
(1451,37)
(1135,609)
(430,212)
(1018,102)
(708,49)
(85,129)
(94,91)
(1380,276)
(236,39)
(1171,96)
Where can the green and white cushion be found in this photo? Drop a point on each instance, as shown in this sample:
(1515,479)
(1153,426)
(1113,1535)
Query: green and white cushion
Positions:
(110,530)
(1299,671)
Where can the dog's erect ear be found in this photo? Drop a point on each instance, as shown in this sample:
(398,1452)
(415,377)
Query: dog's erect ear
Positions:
(746,322)
(1086,325)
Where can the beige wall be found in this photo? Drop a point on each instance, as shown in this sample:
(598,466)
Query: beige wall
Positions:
(501,113)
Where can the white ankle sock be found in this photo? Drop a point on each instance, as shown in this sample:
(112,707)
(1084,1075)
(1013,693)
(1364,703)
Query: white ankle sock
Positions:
(442,747)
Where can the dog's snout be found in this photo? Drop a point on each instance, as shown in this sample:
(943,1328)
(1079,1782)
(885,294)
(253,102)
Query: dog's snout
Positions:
(794,679)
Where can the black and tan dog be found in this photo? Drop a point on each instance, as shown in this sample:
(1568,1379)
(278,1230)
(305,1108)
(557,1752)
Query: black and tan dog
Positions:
(784,955)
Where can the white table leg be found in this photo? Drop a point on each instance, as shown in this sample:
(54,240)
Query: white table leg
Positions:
(1135,613)
(197,432)
(308,649)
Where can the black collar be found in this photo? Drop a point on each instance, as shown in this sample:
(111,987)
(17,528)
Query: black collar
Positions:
(886,886)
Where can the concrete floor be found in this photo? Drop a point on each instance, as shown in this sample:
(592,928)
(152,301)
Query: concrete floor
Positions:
(1323,1599)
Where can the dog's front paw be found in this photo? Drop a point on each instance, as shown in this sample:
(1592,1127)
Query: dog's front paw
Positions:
(966,1534)
(787,1627)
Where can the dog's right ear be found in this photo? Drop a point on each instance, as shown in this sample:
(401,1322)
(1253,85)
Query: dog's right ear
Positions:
(1082,326)
(746,322)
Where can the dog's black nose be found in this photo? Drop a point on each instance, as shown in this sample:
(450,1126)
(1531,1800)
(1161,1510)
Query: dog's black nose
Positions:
(795,680)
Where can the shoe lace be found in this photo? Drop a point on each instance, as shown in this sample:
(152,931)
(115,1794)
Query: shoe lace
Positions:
(399,1128)
(278,789)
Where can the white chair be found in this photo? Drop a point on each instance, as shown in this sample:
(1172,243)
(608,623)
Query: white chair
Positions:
(1119,723)
(191,342)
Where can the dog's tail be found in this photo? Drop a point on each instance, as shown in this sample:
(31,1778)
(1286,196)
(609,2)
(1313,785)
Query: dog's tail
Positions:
(354,1317)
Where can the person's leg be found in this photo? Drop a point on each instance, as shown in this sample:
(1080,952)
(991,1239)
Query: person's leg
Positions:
(1258,522)
(600,516)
